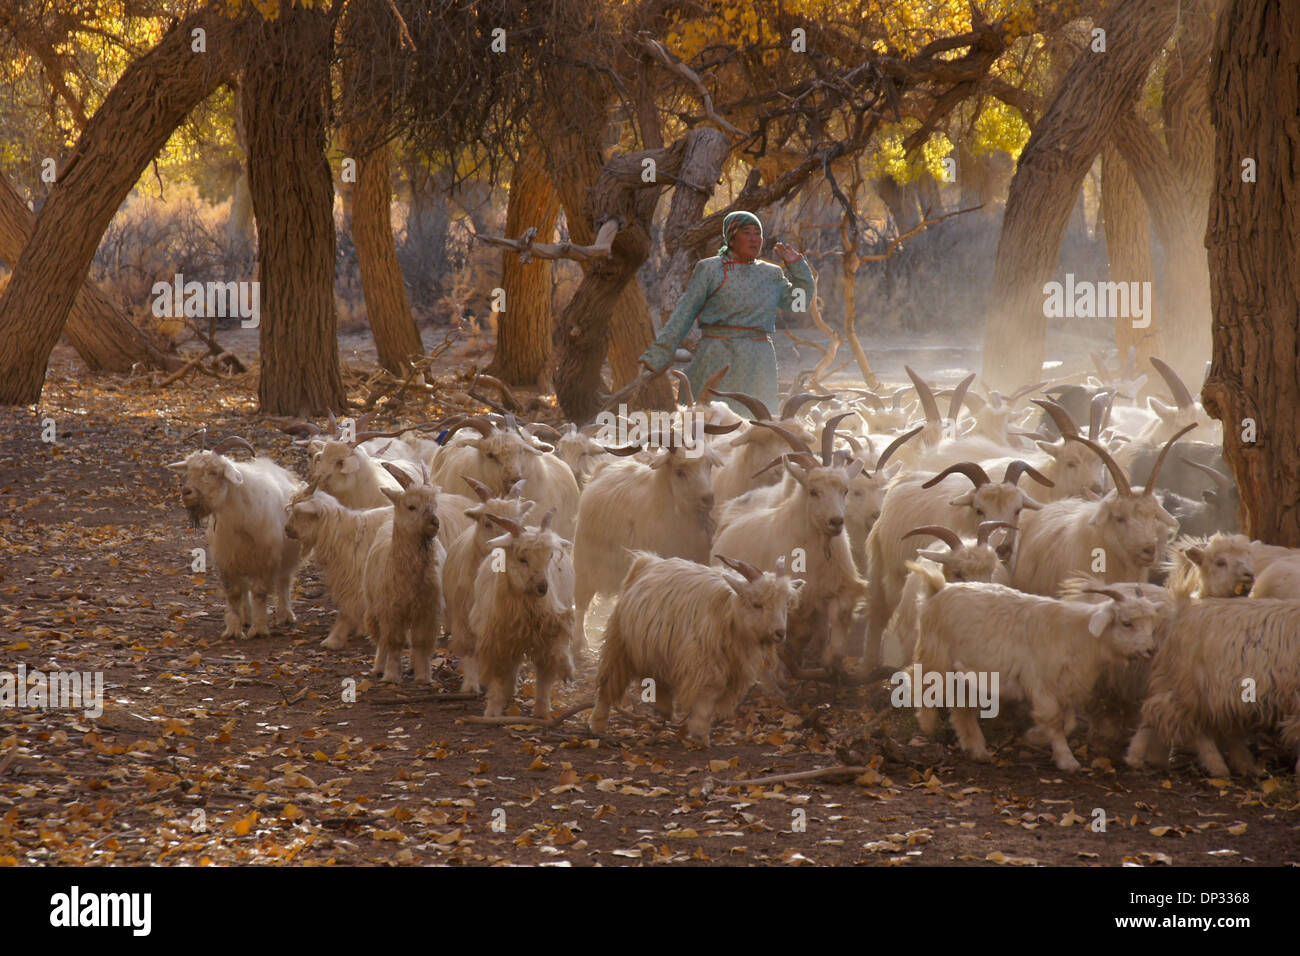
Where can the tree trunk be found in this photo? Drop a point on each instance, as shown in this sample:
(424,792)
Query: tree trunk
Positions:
(285,78)
(577,162)
(103,335)
(396,339)
(524,354)
(619,196)
(1253,238)
(1097,90)
(148,102)
(1128,250)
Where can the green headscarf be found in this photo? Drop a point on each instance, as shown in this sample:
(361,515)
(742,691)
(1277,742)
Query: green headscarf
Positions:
(733,221)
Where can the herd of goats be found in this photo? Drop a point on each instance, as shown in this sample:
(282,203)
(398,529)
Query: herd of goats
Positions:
(762,548)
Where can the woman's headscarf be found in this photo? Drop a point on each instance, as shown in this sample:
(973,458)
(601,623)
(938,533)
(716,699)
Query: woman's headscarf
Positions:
(733,221)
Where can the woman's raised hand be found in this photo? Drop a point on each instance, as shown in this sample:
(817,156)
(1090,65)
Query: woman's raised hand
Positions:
(787,253)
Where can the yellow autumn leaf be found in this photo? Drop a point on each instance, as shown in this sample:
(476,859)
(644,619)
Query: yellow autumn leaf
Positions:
(242,826)
(290,812)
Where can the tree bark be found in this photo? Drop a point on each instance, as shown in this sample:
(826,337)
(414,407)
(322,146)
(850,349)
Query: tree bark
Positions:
(618,196)
(1253,238)
(396,337)
(577,161)
(1128,249)
(286,77)
(102,334)
(148,102)
(524,353)
(1097,90)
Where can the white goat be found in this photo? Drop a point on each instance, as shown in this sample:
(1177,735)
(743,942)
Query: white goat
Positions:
(1118,537)
(403,579)
(1045,651)
(698,632)
(242,505)
(664,508)
(523,608)
(340,540)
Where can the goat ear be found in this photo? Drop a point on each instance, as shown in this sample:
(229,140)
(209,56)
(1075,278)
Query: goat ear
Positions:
(308,506)
(962,501)
(232,474)
(893,469)
(1101,618)
(1031,504)
(177,466)
(855,468)
(1047,448)
(933,555)
(500,541)
(391,495)
(476,512)
(793,470)
(1194,554)
(1160,408)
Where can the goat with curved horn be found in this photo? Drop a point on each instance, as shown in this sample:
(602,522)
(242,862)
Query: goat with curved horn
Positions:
(790,407)
(747,570)
(480,425)
(684,394)
(481,490)
(234,441)
(828,436)
(1164,453)
(1222,481)
(977,475)
(1117,475)
(896,444)
(928,403)
(1017,468)
(514,527)
(958,396)
(1177,387)
(1099,413)
(949,537)
(1064,422)
(804,458)
(755,406)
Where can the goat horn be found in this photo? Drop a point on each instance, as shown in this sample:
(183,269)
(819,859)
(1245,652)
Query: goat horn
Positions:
(987,528)
(712,383)
(712,429)
(622,452)
(1155,469)
(828,436)
(949,537)
(1106,592)
(1220,479)
(871,398)
(792,439)
(684,394)
(234,441)
(480,425)
(795,402)
(480,489)
(978,476)
(756,407)
(928,403)
(1018,468)
(1098,412)
(1176,385)
(852,442)
(511,401)
(1116,472)
(1064,421)
(804,458)
(896,444)
(399,474)
(514,527)
(749,572)
(958,394)
(546,431)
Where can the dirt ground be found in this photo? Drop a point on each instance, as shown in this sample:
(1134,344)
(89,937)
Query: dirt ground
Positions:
(214,751)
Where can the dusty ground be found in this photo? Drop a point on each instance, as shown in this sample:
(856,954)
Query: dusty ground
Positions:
(212,751)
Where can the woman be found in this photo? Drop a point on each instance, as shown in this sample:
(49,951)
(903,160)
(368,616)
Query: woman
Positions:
(735,297)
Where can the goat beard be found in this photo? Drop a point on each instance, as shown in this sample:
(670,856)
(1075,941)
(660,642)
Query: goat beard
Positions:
(196,513)
(707,523)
